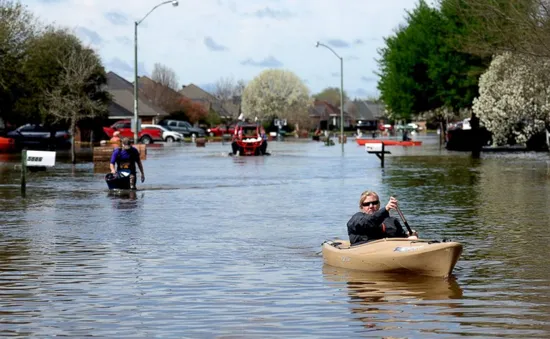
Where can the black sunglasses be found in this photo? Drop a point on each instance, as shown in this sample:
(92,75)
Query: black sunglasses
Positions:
(368,203)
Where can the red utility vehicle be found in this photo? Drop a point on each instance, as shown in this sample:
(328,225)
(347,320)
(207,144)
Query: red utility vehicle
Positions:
(247,140)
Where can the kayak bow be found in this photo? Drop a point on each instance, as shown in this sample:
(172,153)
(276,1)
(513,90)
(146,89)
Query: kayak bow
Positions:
(394,255)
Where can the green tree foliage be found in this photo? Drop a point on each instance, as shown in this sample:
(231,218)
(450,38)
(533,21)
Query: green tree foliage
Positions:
(76,91)
(420,70)
(490,27)
(331,95)
(33,63)
(42,66)
(17,28)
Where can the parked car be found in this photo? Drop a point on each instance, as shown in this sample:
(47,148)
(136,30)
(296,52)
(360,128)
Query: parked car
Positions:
(366,125)
(145,136)
(460,137)
(183,127)
(167,134)
(222,129)
(36,136)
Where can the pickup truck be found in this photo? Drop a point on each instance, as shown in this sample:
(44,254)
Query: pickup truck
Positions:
(222,129)
(145,136)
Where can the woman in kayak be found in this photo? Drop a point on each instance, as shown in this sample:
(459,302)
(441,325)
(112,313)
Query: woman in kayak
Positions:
(373,222)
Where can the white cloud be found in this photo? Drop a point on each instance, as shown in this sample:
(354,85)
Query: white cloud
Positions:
(206,40)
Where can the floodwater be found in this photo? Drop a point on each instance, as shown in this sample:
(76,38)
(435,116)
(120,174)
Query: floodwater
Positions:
(212,246)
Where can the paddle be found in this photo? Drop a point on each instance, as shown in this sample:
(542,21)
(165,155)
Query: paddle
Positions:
(404,220)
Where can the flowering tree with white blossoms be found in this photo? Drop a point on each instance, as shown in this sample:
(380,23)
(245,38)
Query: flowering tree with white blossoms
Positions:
(277,93)
(514,97)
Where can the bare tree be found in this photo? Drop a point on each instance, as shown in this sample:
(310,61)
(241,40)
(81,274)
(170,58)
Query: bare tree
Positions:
(229,93)
(74,97)
(162,88)
(226,89)
(491,27)
(165,76)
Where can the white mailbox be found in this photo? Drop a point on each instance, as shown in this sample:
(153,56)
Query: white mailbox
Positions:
(40,159)
(374,147)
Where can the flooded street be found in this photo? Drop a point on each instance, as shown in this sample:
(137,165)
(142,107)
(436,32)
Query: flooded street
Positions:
(212,246)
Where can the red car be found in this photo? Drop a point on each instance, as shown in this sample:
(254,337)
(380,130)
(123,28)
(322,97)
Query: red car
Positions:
(7,145)
(220,130)
(145,136)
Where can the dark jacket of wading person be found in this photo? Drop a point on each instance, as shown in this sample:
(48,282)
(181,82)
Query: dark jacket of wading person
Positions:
(372,222)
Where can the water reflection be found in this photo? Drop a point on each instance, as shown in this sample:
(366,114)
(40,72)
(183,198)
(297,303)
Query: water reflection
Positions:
(125,199)
(367,287)
(78,261)
(373,297)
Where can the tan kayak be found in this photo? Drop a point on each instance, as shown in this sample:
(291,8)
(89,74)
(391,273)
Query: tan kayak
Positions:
(394,255)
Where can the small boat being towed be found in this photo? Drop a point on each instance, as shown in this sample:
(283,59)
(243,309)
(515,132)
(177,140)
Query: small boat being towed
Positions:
(395,255)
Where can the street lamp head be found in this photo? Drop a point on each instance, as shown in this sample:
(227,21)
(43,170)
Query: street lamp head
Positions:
(175,3)
(317,44)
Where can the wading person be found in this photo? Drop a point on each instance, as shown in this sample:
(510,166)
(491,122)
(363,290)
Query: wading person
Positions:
(116,138)
(126,157)
(373,222)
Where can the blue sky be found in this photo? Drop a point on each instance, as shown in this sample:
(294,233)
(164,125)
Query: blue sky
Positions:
(203,41)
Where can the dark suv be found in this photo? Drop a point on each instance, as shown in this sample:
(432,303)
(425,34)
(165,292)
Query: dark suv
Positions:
(183,127)
(40,137)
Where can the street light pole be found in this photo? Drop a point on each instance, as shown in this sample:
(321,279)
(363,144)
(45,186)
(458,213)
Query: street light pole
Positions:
(174,3)
(341,92)
(135,83)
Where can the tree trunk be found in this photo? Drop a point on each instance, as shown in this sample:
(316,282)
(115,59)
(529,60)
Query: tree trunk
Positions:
(73,131)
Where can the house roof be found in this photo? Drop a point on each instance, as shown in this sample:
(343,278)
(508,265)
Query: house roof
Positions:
(122,92)
(193,91)
(377,109)
(144,82)
(323,109)
(365,109)
(225,110)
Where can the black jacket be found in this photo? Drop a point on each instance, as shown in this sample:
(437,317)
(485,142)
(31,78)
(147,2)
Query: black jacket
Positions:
(363,227)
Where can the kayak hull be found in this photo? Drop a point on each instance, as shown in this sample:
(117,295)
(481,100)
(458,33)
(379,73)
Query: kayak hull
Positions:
(394,255)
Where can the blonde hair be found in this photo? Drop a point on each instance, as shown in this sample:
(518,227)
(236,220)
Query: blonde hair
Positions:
(364,196)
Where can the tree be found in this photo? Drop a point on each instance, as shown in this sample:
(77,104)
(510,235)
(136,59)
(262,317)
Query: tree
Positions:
(420,70)
(17,28)
(165,76)
(42,66)
(276,93)
(226,89)
(77,93)
(190,111)
(229,94)
(161,89)
(514,100)
(331,95)
(495,26)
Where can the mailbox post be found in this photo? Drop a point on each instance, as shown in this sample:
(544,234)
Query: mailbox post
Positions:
(40,159)
(24,172)
(378,149)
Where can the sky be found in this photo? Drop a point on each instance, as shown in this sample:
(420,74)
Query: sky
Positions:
(204,41)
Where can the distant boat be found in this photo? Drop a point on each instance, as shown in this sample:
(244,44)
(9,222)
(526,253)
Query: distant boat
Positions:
(387,142)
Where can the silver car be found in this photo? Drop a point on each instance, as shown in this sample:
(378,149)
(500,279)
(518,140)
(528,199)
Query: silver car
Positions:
(183,127)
